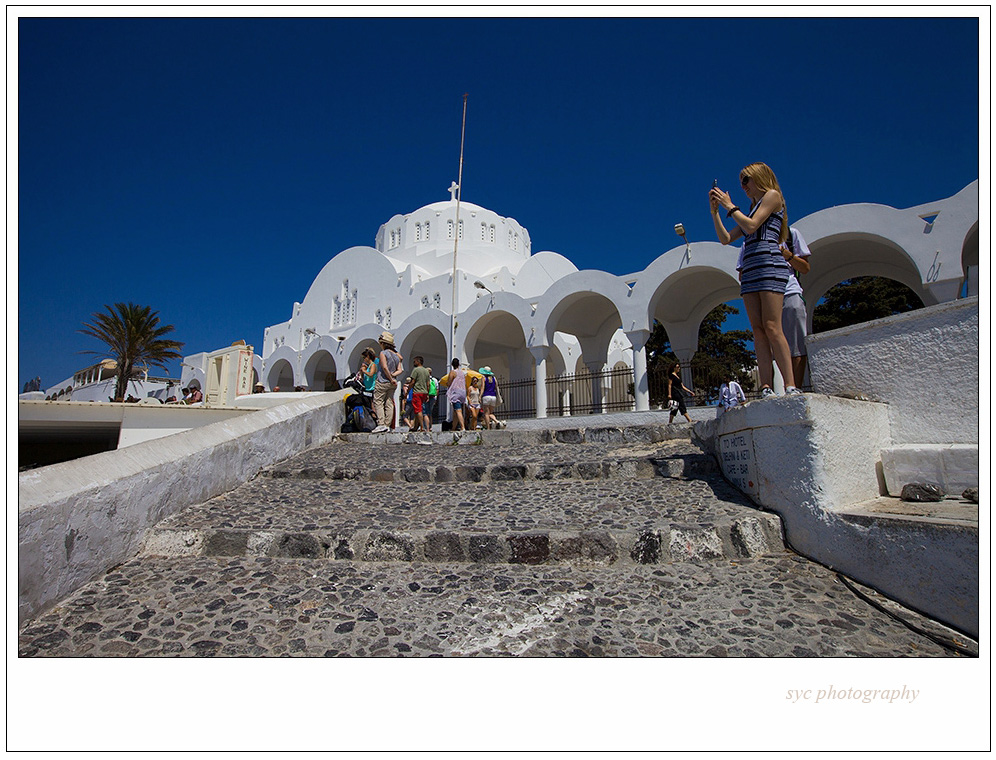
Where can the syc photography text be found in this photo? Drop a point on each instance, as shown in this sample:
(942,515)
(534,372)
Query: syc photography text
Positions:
(841,694)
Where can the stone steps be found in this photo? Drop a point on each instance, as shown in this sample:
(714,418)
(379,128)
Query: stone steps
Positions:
(497,456)
(593,433)
(673,466)
(749,536)
(548,503)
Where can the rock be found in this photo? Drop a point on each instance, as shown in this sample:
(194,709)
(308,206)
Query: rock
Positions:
(647,550)
(921,492)
(443,547)
(971,494)
(485,548)
(385,546)
(529,548)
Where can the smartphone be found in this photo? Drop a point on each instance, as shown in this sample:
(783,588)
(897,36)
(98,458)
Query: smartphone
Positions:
(715,183)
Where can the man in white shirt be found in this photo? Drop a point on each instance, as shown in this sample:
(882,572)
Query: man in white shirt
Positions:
(730,395)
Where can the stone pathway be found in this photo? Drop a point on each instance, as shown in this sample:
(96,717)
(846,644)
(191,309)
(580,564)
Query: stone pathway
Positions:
(617,545)
(206,606)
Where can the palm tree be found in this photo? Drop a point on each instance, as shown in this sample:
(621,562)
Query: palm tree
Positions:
(133,336)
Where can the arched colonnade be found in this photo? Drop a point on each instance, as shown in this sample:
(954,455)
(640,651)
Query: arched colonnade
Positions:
(931,248)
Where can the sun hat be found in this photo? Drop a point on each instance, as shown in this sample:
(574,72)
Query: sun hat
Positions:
(386,338)
(485,371)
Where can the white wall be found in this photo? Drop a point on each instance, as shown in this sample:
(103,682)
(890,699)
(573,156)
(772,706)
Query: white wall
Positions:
(77,519)
(924,364)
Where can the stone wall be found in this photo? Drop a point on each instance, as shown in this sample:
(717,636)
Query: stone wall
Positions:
(78,519)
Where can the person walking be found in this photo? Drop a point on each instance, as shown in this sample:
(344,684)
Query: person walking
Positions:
(674,392)
(490,397)
(420,394)
(390,366)
(431,399)
(456,393)
(765,272)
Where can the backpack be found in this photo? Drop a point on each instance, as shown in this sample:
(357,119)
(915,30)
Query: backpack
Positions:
(361,419)
(433,386)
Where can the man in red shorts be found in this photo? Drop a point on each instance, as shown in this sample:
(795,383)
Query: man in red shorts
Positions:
(420,394)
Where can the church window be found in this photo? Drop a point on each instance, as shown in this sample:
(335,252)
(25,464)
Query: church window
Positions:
(460,231)
(449,229)
(352,309)
(425,302)
(510,238)
(435,301)
(337,311)
(392,239)
(387,321)
(418,232)
(484,231)
(492,230)
(380,317)
(515,242)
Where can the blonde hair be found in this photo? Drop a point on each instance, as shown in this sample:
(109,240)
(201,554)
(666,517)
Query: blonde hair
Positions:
(765,180)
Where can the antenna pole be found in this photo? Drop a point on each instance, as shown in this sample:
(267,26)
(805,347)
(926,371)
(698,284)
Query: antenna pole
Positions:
(456,233)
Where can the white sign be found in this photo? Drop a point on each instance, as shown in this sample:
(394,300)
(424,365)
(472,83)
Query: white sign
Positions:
(736,455)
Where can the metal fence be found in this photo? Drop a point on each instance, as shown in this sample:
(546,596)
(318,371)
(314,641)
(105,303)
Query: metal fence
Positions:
(580,393)
(573,394)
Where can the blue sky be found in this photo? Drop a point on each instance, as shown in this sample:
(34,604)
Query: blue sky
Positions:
(209,168)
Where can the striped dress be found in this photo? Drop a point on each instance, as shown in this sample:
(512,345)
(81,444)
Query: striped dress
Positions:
(764,267)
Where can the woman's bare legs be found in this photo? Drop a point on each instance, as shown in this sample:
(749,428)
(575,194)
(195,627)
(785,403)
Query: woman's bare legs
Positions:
(764,310)
(752,304)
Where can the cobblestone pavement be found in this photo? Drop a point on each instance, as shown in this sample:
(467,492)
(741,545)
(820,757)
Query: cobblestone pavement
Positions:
(306,504)
(724,603)
(204,606)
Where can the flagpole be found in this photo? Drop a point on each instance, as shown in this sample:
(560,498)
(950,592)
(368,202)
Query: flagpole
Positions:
(456,235)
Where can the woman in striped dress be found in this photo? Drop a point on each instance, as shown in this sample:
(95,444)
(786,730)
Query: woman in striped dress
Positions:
(765,272)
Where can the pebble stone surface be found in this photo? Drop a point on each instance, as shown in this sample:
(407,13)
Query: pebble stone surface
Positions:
(776,605)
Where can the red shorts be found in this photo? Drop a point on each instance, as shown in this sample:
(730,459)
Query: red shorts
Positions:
(418,401)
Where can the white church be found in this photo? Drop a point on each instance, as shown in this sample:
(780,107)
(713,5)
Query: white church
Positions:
(453,279)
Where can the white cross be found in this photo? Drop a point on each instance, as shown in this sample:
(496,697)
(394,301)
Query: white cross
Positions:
(453,188)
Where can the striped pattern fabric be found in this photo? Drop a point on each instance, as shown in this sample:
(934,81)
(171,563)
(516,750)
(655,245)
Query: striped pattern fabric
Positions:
(764,267)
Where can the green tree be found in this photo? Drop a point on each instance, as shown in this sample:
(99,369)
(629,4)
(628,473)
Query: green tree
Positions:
(860,300)
(134,337)
(720,355)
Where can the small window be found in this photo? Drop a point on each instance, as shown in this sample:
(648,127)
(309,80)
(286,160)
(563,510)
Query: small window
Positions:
(436,300)
(425,302)
(449,229)
(492,233)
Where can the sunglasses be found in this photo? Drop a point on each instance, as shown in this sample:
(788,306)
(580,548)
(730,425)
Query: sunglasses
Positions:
(744,180)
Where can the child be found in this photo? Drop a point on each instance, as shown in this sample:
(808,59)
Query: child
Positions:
(474,401)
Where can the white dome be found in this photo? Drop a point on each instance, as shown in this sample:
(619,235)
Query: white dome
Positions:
(425,237)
